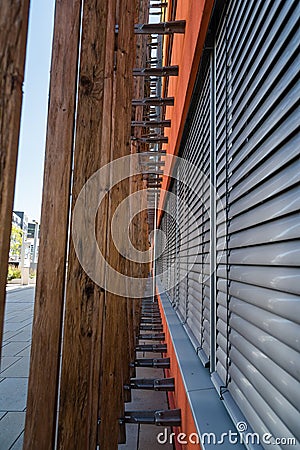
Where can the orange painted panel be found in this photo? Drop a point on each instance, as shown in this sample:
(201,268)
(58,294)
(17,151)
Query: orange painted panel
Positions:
(186,53)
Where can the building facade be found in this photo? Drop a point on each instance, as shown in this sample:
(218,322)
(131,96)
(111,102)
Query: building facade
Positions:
(231,266)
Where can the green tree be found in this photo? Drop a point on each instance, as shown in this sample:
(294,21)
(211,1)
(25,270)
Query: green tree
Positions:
(15,241)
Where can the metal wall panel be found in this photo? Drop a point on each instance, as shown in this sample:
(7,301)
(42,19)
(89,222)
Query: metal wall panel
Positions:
(263,255)
(257,168)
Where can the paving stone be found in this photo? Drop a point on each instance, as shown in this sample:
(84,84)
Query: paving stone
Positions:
(13,394)
(19,369)
(18,445)
(13,348)
(13,326)
(2,413)
(11,427)
(7,361)
(148,438)
(26,351)
(8,335)
(132,435)
(24,335)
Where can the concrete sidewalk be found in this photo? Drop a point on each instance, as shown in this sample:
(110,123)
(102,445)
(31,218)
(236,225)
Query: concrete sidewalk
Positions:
(15,365)
(14,380)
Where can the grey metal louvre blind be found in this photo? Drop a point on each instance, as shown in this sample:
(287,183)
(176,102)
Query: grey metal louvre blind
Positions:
(182,244)
(196,152)
(191,234)
(222,330)
(172,246)
(257,167)
(263,214)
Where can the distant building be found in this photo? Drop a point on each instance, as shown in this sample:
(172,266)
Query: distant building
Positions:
(30,240)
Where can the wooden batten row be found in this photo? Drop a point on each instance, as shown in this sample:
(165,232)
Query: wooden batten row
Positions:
(13,38)
(115,364)
(139,231)
(84,337)
(81,356)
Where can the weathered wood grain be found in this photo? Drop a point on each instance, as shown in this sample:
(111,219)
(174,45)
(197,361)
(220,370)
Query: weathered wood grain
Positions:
(13,37)
(115,361)
(49,300)
(79,393)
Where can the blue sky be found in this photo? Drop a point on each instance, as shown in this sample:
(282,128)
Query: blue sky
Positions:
(28,192)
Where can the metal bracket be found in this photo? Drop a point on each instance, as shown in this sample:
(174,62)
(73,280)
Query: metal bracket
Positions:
(161,348)
(176,26)
(151,140)
(152,337)
(151,171)
(151,123)
(157,363)
(154,327)
(152,163)
(165,71)
(169,417)
(154,384)
(159,5)
(155,101)
(149,320)
(153,153)
(151,315)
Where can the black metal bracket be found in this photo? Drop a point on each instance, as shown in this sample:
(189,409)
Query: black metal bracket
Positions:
(166,71)
(154,308)
(151,140)
(160,348)
(152,337)
(150,171)
(153,153)
(153,384)
(154,327)
(158,5)
(176,26)
(151,315)
(151,321)
(168,418)
(157,363)
(155,101)
(151,123)
(152,163)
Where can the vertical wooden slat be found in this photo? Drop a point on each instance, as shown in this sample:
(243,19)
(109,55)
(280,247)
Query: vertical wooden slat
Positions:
(138,234)
(79,393)
(115,356)
(48,313)
(13,37)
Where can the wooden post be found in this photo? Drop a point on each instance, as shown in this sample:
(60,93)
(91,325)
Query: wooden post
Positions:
(79,393)
(13,37)
(48,314)
(137,232)
(115,359)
